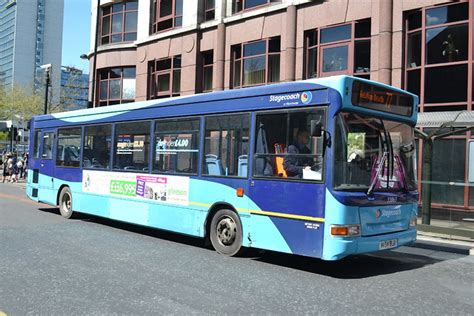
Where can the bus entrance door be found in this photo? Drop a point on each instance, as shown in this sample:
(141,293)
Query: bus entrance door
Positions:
(46,168)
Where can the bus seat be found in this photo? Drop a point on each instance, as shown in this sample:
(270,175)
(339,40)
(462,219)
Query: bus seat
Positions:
(243,166)
(279,167)
(214,165)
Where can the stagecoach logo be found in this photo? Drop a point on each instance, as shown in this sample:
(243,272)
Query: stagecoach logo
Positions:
(306,97)
(387,213)
(292,99)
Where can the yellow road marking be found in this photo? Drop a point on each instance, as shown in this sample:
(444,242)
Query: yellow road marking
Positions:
(274,214)
(2,313)
(18,199)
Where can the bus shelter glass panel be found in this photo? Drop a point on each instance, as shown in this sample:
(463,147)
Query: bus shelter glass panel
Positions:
(448,171)
(176,146)
(132,146)
(284,147)
(68,152)
(97,147)
(226,145)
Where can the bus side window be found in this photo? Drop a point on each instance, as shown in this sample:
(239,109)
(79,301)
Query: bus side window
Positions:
(97,145)
(68,151)
(284,147)
(176,146)
(36,144)
(132,145)
(226,145)
(48,141)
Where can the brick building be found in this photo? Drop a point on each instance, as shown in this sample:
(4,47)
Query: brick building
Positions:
(159,48)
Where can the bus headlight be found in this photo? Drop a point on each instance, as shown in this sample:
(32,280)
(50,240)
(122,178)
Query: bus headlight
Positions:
(345,230)
(413,222)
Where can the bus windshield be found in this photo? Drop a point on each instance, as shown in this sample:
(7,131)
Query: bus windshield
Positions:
(373,154)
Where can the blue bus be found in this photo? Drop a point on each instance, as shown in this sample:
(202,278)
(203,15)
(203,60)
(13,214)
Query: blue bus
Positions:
(322,168)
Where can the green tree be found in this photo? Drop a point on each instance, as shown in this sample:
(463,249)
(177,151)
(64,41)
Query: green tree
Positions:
(20,103)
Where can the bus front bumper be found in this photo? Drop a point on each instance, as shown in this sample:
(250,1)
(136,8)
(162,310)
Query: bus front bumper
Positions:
(336,248)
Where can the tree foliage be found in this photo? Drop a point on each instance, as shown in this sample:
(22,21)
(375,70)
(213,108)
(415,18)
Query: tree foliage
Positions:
(19,103)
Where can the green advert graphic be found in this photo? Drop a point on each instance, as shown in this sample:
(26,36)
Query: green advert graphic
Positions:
(120,187)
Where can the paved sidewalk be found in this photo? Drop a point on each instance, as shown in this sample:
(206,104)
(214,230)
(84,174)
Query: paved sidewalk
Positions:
(443,244)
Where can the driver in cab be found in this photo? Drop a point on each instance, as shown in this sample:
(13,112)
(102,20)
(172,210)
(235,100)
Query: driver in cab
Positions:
(294,165)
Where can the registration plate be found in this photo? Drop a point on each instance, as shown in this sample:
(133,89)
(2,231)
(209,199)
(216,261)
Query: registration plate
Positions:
(387,244)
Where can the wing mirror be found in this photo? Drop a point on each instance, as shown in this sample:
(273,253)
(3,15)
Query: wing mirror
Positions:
(316,128)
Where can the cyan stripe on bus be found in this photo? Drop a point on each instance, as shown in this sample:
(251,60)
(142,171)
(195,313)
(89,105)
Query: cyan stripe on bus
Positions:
(339,214)
(186,220)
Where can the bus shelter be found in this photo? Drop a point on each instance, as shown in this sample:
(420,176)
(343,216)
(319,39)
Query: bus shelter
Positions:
(432,126)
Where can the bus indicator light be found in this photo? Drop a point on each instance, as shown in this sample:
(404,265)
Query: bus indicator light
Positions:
(345,230)
(239,192)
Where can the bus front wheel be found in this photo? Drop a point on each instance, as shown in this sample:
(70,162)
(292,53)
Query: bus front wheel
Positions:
(65,203)
(226,232)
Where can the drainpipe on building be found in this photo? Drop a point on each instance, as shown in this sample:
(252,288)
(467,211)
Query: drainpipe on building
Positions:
(220,57)
(290,60)
(385,41)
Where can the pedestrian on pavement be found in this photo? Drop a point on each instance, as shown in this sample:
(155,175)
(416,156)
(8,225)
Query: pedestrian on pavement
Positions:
(14,168)
(20,168)
(8,167)
(25,165)
(4,166)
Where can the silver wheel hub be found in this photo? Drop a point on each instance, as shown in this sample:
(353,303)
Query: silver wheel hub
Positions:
(66,203)
(226,231)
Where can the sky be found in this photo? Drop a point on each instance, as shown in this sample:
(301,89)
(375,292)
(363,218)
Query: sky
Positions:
(76,33)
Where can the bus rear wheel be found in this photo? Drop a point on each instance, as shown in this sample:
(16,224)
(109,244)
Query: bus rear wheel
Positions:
(65,203)
(226,232)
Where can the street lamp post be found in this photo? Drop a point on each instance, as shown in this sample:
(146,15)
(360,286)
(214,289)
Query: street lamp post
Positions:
(47,69)
(84,56)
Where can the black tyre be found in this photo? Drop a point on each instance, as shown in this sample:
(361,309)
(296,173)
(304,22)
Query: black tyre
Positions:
(65,203)
(226,232)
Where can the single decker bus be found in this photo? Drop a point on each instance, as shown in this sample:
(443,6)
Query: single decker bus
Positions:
(322,168)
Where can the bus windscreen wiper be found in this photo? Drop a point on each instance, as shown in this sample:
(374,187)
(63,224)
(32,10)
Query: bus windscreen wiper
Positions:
(380,167)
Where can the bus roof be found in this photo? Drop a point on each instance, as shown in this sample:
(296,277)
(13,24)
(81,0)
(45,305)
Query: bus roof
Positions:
(320,85)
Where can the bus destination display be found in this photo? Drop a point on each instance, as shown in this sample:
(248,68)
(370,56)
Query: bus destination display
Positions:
(378,98)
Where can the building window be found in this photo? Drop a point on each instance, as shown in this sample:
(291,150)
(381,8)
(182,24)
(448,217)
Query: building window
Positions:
(207,70)
(116,85)
(166,14)
(443,39)
(242,5)
(209,10)
(437,65)
(164,78)
(256,63)
(328,51)
(119,22)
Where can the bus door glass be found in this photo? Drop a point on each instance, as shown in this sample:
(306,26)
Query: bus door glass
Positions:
(288,171)
(46,167)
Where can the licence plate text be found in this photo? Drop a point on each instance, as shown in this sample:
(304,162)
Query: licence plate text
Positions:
(387,244)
